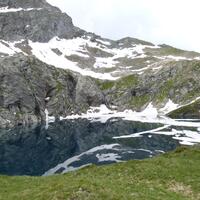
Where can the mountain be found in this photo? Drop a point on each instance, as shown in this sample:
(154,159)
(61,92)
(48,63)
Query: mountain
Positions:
(49,67)
(34,20)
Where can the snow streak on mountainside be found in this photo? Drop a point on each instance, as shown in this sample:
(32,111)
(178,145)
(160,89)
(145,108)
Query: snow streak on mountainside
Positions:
(8,10)
(39,29)
(97,58)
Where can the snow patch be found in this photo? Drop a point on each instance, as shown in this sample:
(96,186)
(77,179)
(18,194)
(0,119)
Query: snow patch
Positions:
(185,137)
(43,51)
(49,119)
(157,68)
(9,47)
(66,165)
(148,115)
(138,71)
(103,114)
(104,42)
(105,62)
(47,98)
(169,106)
(8,10)
(109,157)
(139,134)
(177,58)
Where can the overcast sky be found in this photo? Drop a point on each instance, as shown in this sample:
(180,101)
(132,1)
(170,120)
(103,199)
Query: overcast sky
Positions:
(174,22)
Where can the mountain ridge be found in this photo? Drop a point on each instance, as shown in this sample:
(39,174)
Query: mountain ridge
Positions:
(48,64)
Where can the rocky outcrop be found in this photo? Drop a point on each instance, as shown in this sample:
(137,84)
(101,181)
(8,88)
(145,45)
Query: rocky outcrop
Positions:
(36,21)
(87,92)
(28,87)
(24,4)
(176,80)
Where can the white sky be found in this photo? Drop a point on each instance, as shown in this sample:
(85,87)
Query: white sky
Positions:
(173,22)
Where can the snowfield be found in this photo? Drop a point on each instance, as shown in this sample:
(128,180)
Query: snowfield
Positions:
(57,51)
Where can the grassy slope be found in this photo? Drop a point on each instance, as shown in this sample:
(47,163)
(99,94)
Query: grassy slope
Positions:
(188,111)
(171,176)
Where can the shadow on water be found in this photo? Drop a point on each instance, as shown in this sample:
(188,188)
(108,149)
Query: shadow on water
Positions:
(35,150)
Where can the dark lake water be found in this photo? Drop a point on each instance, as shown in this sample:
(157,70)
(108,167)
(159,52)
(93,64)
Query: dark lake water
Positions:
(68,145)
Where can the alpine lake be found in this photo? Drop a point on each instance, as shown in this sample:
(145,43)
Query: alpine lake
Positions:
(72,144)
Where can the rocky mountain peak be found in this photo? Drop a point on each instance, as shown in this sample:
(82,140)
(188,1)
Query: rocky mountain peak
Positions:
(24,3)
(35,20)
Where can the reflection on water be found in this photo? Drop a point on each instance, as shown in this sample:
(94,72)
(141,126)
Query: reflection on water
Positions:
(73,144)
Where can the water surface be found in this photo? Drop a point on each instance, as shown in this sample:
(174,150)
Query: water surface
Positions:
(69,145)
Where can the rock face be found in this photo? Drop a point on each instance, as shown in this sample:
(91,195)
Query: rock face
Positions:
(28,87)
(35,20)
(46,63)
(177,80)
(24,4)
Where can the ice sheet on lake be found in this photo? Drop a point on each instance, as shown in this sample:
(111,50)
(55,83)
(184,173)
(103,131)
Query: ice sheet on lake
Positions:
(103,113)
(67,165)
(149,115)
(108,157)
(185,137)
(100,155)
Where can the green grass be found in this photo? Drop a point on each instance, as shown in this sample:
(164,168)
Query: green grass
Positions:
(164,91)
(121,84)
(169,50)
(127,82)
(191,110)
(59,87)
(106,85)
(172,51)
(172,176)
(139,101)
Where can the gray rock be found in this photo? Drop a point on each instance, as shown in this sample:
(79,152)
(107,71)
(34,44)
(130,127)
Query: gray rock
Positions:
(88,93)
(28,87)
(24,3)
(37,25)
